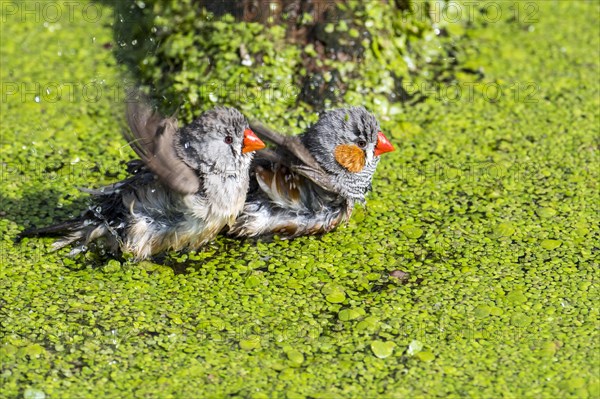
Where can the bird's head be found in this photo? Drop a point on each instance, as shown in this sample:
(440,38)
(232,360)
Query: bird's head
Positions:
(219,141)
(347,143)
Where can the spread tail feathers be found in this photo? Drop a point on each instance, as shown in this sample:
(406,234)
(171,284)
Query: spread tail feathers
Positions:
(70,230)
(57,229)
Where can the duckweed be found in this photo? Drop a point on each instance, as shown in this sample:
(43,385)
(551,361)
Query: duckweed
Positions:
(488,210)
(382,349)
(414,348)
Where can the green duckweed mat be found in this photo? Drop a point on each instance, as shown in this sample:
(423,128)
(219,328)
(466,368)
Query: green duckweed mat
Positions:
(473,271)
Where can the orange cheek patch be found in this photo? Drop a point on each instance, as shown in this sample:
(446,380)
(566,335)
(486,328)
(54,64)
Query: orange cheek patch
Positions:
(350,157)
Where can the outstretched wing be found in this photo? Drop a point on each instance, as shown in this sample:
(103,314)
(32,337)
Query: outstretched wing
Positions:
(152,137)
(308,166)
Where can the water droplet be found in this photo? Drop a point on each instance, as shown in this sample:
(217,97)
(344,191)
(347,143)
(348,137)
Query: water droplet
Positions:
(186,145)
(94,39)
(133,42)
(99,209)
(59,205)
(153,190)
(47,91)
(37,99)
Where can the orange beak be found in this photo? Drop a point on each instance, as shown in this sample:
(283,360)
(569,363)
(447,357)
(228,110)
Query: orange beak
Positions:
(251,142)
(383,145)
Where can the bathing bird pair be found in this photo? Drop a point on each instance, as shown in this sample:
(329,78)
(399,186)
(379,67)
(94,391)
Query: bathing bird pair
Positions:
(194,182)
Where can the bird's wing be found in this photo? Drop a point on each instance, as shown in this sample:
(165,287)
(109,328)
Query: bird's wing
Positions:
(141,175)
(308,167)
(152,137)
(283,187)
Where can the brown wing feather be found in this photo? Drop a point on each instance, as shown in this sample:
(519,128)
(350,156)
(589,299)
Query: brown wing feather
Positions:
(281,186)
(152,137)
(309,168)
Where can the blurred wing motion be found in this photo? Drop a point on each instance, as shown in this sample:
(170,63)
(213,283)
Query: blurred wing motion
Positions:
(152,138)
(308,167)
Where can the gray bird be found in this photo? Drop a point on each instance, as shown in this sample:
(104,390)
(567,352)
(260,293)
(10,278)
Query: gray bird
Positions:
(188,184)
(311,182)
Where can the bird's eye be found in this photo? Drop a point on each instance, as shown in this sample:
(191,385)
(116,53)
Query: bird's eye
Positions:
(361,143)
(228,140)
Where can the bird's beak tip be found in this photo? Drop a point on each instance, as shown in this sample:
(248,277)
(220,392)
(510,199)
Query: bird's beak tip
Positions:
(383,145)
(251,142)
